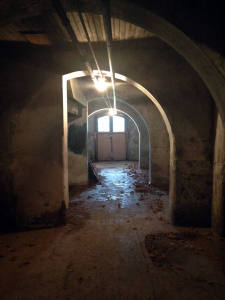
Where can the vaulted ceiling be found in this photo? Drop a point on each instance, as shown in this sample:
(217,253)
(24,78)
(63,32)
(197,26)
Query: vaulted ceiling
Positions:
(35,20)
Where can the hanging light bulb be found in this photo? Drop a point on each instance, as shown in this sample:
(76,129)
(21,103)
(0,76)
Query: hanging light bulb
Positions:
(100,83)
(112,112)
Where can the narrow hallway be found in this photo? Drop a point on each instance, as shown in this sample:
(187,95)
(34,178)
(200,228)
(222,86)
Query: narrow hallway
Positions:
(117,244)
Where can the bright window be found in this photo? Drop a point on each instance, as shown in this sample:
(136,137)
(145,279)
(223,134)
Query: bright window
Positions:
(103,124)
(118,124)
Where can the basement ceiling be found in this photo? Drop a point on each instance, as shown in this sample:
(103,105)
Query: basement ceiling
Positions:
(47,29)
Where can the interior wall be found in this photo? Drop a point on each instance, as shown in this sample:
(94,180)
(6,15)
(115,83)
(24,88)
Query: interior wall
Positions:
(218,203)
(91,144)
(132,140)
(77,148)
(159,139)
(31,172)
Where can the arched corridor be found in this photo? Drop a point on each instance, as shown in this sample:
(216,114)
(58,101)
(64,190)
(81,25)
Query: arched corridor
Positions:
(94,212)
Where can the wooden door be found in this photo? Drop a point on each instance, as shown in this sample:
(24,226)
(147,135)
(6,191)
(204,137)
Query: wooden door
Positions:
(111,146)
(119,146)
(104,146)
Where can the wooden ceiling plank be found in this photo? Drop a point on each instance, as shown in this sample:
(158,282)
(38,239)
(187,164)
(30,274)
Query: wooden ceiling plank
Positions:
(102,28)
(74,21)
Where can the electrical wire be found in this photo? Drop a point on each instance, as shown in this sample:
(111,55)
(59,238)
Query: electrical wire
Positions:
(108,32)
(107,99)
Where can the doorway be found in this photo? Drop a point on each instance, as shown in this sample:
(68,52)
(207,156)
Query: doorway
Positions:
(111,138)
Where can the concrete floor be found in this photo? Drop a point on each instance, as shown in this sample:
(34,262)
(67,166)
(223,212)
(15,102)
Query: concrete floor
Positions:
(103,252)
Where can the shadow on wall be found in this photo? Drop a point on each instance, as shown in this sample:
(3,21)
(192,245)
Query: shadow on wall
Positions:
(77,144)
(77,138)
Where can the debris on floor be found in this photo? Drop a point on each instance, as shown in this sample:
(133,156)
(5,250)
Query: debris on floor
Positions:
(114,246)
(165,248)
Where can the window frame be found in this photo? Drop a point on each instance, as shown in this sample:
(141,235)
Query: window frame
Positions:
(110,118)
(109,129)
(118,116)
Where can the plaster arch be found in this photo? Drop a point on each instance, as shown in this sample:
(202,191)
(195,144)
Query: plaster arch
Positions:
(119,110)
(213,81)
(172,177)
(144,135)
(154,137)
(104,111)
(183,190)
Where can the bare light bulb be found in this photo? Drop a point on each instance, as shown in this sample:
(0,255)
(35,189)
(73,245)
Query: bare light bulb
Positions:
(100,84)
(112,112)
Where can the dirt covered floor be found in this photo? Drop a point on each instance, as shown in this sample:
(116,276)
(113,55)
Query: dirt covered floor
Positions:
(117,244)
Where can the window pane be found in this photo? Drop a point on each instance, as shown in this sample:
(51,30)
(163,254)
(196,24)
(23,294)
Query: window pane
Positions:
(103,124)
(118,124)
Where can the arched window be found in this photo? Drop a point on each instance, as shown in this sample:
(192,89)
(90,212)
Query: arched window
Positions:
(118,124)
(103,124)
(111,124)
